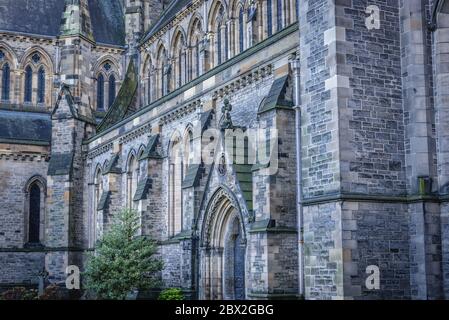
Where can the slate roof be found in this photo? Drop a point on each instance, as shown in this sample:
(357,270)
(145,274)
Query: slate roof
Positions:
(113,166)
(33,17)
(43,17)
(151,148)
(277,97)
(143,187)
(108,21)
(103,204)
(172,10)
(22,126)
(193,176)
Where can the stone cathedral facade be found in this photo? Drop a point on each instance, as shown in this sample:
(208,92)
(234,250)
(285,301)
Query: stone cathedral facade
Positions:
(140,104)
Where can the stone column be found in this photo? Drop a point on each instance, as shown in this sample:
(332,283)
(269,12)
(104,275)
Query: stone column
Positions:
(441,80)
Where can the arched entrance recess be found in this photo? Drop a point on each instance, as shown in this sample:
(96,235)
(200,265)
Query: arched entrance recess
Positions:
(223,250)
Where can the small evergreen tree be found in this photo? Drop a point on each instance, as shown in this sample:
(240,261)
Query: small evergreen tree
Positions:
(122,261)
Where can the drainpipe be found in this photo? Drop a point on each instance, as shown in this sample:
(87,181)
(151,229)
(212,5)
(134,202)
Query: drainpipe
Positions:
(299,207)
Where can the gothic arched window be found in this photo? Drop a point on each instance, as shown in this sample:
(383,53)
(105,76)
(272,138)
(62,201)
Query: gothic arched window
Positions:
(111,90)
(188,151)
(28,84)
(197,57)
(149,87)
(34,214)
(41,85)
(226,42)
(100,92)
(131,181)
(279,14)
(180,68)
(175,189)
(219,46)
(6,78)
(177,52)
(269,18)
(241,30)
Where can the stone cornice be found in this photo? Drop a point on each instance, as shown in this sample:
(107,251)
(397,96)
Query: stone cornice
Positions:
(136,133)
(406,199)
(102,149)
(23,156)
(180,112)
(244,80)
(22,37)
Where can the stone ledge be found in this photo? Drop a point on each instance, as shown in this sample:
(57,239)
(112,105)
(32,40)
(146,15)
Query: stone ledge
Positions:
(374,198)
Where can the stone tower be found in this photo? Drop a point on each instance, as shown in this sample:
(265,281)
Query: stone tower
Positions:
(72,121)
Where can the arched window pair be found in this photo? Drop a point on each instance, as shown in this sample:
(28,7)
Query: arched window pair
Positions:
(222,36)
(178,54)
(195,37)
(101,88)
(28,94)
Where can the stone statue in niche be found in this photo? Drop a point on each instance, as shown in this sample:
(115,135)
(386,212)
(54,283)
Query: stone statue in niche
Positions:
(226,121)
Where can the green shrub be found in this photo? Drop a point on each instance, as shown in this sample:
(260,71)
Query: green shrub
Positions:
(122,262)
(171,294)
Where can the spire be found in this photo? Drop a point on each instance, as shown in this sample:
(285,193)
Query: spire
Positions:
(76,19)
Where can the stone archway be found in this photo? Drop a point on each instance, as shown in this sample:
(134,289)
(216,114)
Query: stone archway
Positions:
(223,251)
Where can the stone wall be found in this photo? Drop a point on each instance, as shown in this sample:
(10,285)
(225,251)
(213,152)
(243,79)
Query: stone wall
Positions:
(17,167)
(20,267)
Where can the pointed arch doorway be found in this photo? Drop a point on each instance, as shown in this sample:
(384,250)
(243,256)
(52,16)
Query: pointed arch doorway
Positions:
(223,251)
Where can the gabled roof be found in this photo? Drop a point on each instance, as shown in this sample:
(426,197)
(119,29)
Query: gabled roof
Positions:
(172,10)
(83,114)
(44,17)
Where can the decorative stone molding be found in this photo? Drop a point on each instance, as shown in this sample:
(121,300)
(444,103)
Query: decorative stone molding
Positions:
(243,81)
(100,150)
(134,134)
(37,40)
(23,156)
(180,112)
